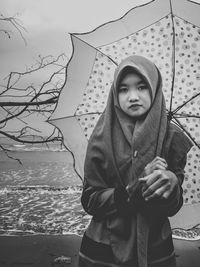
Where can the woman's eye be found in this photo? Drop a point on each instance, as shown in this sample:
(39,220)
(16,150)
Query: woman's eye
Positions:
(142,87)
(123,89)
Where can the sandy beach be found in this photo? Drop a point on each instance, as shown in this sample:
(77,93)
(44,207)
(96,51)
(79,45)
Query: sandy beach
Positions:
(62,250)
(39,250)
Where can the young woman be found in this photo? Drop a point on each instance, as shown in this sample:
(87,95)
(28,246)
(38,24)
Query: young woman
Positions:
(134,169)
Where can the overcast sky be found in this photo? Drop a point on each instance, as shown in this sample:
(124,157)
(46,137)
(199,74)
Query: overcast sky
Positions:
(48,24)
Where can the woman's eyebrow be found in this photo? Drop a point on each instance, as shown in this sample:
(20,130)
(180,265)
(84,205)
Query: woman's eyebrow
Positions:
(142,82)
(138,83)
(122,84)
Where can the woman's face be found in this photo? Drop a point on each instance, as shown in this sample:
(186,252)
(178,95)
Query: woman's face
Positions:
(134,95)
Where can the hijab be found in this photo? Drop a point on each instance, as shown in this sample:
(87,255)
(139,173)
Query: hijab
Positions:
(120,147)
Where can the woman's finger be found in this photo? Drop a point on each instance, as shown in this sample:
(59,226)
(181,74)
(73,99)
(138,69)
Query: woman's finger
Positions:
(166,194)
(159,192)
(159,159)
(159,166)
(153,177)
(159,162)
(149,179)
(150,190)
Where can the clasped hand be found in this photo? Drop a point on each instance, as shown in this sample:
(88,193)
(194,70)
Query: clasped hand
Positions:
(158,182)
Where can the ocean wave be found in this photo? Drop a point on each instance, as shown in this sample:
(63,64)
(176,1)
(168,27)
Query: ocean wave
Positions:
(34,148)
(42,188)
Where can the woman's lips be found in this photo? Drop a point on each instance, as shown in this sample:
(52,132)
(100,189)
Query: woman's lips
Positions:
(134,106)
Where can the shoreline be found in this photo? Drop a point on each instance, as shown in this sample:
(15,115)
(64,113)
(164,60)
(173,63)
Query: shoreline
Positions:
(27,156)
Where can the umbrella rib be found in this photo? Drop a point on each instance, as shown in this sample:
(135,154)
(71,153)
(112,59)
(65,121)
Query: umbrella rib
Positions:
(173,56)
(89,113)
(189,135)
(193,2)
(187,21)
(94,48)
(73,157)
(178,108)
(185,115)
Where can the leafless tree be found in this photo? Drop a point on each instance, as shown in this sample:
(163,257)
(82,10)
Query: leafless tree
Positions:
(23,95)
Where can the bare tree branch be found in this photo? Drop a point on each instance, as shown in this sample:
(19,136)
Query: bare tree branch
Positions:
(15,23)
(21,100)
(23,96)
(52,100)
(8,155)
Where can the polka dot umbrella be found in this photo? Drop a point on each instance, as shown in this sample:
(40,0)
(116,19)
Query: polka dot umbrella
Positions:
(168,33)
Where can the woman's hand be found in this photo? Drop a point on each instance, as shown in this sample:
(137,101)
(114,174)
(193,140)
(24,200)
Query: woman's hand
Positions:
(159,184)
(157,163)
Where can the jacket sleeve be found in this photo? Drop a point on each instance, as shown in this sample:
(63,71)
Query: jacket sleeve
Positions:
(104,202)
(101,197)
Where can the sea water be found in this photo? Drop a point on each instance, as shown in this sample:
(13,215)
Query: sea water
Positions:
(39,192)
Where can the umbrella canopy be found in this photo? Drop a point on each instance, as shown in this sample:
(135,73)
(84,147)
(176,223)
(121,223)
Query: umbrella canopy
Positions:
(168,33)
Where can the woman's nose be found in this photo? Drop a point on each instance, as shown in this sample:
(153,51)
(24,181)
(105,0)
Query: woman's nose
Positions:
(133,96)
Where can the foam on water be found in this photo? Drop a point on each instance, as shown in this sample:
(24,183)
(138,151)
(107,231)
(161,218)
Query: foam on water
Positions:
(42,210)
